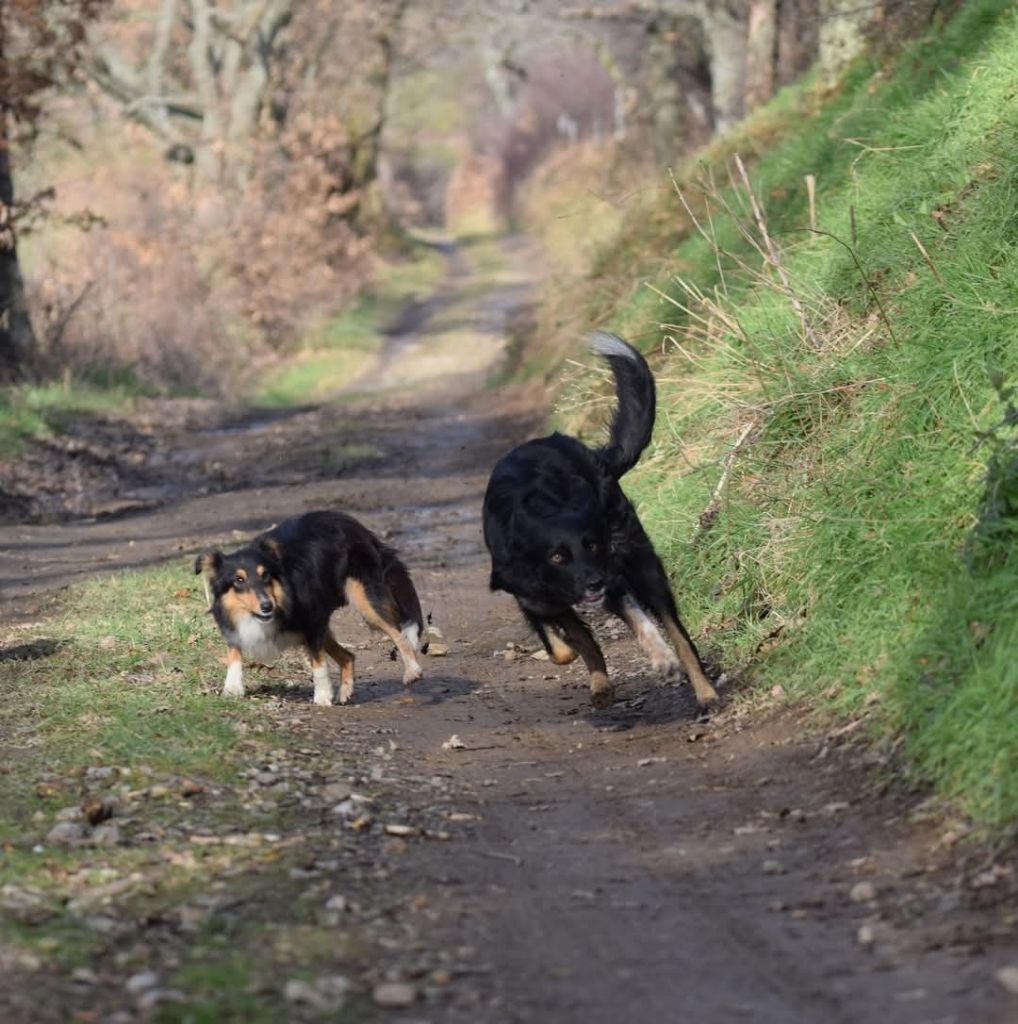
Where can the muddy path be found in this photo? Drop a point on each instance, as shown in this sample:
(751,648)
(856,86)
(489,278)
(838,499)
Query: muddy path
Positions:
(552,863)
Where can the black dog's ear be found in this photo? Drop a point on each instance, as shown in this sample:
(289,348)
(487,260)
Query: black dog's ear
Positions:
(208,562)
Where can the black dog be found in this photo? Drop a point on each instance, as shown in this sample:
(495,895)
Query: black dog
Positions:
(561,533)
(281,590)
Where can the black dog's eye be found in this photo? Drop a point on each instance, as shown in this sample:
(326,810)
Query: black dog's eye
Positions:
(558,557)
(591,545)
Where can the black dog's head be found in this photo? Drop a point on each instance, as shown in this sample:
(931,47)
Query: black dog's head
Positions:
(243,583)
(557,545)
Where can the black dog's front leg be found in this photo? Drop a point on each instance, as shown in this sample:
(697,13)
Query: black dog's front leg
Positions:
(558,650)
(580,639)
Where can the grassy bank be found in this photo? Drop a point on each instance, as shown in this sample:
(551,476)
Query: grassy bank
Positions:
(834,474)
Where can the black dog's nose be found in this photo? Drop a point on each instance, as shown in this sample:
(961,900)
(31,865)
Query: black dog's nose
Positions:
(266,606)
(595,586)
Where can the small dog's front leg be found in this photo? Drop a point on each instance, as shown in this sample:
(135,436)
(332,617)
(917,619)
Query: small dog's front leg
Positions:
(234,684)
(323,682)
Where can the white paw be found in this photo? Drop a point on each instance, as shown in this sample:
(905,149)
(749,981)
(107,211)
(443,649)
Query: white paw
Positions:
(233,686)
(412,673)
(323,698)
(345,693)
(666,665)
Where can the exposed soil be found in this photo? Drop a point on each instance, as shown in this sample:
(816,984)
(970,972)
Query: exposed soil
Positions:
(557,863)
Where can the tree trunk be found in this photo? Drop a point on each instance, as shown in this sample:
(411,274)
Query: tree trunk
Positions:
(842,33)
(17,339)
(761,48)
(726,39)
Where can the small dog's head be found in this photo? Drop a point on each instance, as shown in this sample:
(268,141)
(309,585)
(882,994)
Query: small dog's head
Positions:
(244,583)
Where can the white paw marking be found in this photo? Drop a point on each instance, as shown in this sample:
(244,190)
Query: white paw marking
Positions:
(234,684)
(323,685)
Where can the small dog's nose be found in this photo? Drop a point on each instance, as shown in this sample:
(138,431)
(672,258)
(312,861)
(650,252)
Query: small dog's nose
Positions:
(266,606)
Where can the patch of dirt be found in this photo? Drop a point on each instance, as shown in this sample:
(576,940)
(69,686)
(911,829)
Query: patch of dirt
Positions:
(553,863)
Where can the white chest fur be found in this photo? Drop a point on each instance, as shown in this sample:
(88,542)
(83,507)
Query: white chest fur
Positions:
(262,642)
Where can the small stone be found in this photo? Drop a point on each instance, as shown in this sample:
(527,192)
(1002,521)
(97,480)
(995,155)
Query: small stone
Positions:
(105,835)
(26,906)
(863,892)
(84,976)
(866,936)
(336,791)
(400,830)
(66,833)
(68,814)
(541,655)
(141,981)
(772,867)
(394,995)
(327,993)
(336,903)
(437,650)
(1008,977)
(454,743)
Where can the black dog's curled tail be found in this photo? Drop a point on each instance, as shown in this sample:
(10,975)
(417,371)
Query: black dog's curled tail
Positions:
(633,420)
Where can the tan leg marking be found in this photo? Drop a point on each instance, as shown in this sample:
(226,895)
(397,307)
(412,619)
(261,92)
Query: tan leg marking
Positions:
(345,660)
(705,693)
(579,638)
(384,620)
(561,653)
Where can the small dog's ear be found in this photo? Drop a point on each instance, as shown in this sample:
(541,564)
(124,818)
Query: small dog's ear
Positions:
(208,562)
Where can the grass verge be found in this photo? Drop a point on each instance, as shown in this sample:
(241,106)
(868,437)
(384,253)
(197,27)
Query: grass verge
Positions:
(817,477)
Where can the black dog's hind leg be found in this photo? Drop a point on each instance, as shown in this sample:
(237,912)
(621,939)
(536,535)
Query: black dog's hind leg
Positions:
(650,587)
(558,650)
(580,639)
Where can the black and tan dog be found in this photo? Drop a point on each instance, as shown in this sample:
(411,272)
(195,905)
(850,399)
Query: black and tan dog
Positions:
(281,589)
(562,534)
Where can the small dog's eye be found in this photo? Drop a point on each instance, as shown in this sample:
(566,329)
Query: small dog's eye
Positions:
(238,582)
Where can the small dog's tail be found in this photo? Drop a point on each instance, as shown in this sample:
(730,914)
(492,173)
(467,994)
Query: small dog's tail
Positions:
(411,618)
(633,420)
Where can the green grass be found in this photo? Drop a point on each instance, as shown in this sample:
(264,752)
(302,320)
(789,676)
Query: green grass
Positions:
(32,411)
(837,559)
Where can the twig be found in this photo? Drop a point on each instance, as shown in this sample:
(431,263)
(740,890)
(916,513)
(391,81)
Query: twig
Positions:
(709,514)
(494,855)
(773,255)
(811,191)
(862,273)
(929,262)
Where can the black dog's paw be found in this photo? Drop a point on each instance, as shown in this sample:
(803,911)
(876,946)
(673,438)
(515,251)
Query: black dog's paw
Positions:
(602,699)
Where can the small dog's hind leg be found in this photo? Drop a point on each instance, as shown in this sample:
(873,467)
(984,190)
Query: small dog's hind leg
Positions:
(345,660)
(648,636)
(384,620)
(579,638)
(234,683)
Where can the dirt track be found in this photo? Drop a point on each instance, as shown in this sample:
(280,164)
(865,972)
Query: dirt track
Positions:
(637,864)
